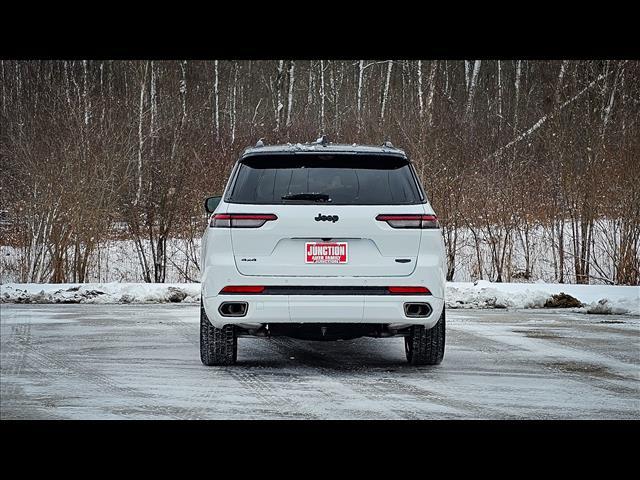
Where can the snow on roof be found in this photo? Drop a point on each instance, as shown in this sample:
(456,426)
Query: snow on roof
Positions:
(319,148)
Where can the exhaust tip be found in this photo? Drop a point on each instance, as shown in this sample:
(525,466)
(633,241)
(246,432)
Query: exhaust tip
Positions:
(417,310)
(233,309)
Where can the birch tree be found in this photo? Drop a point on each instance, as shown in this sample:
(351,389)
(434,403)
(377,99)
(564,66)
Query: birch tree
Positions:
(360,80)
(140,137)
(420,102)
(292,79)
(322,96)
(472,82)
(216,118)
(278,103)
(385,93)
(432,89)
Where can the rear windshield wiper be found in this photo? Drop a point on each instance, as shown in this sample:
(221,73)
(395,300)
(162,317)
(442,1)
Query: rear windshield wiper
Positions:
(317,197)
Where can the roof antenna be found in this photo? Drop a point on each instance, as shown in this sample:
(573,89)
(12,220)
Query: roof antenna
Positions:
(323,140)
(260,143)
(388,144)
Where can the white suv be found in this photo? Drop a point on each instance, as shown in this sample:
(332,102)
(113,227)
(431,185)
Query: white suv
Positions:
(323,242)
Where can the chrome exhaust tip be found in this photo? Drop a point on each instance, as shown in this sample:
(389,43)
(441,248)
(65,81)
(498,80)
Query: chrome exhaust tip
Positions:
(233,309)
(417,310)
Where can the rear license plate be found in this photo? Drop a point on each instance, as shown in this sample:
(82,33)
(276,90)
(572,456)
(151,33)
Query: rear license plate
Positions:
(326,252)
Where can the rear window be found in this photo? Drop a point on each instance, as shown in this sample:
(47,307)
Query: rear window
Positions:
(345,179)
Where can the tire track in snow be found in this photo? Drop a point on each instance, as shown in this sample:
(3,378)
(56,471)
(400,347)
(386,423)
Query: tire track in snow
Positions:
(14,357)
(23,351)
(558,353)
(64,364)
(364,387)
(548,348)
(382,390)
(248,380)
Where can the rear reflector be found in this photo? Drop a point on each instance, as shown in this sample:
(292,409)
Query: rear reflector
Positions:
(410,221)
(410,290)
(240,220)
(242,289)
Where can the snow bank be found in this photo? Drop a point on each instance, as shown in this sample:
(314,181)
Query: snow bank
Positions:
(595,298)
(602,299)
(100,293)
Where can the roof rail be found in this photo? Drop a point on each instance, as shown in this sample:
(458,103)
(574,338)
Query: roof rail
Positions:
(388,144)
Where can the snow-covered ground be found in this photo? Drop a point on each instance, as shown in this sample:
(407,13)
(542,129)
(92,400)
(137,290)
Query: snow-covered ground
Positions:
(117,260)
(605,299)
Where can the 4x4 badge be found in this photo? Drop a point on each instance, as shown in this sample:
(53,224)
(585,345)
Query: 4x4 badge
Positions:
(326,218)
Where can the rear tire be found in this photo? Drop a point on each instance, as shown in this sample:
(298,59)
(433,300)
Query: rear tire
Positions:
(426,347)
(218,346)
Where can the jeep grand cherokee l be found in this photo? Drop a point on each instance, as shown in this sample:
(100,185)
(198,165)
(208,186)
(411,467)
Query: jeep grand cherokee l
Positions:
(322,241)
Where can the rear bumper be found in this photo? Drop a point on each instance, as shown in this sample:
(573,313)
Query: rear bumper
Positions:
(381,309)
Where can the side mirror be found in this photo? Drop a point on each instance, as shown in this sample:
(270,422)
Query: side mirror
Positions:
(211,203)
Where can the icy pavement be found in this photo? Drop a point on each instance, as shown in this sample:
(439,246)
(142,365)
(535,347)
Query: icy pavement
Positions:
(142,362)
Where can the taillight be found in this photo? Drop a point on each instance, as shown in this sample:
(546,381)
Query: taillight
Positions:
(242,289)
(409,290)
(410,221)
(240,220)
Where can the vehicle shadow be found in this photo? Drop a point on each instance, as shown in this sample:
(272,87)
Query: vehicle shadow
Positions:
(363,354)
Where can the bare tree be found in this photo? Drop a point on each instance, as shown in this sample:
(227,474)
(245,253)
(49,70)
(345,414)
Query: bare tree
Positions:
(531,165)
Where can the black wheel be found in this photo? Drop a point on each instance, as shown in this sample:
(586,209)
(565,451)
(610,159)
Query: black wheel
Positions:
(426,347)
(218,346)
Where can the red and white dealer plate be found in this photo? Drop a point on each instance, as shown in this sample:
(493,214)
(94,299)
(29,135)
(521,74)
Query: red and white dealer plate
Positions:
(326,252)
